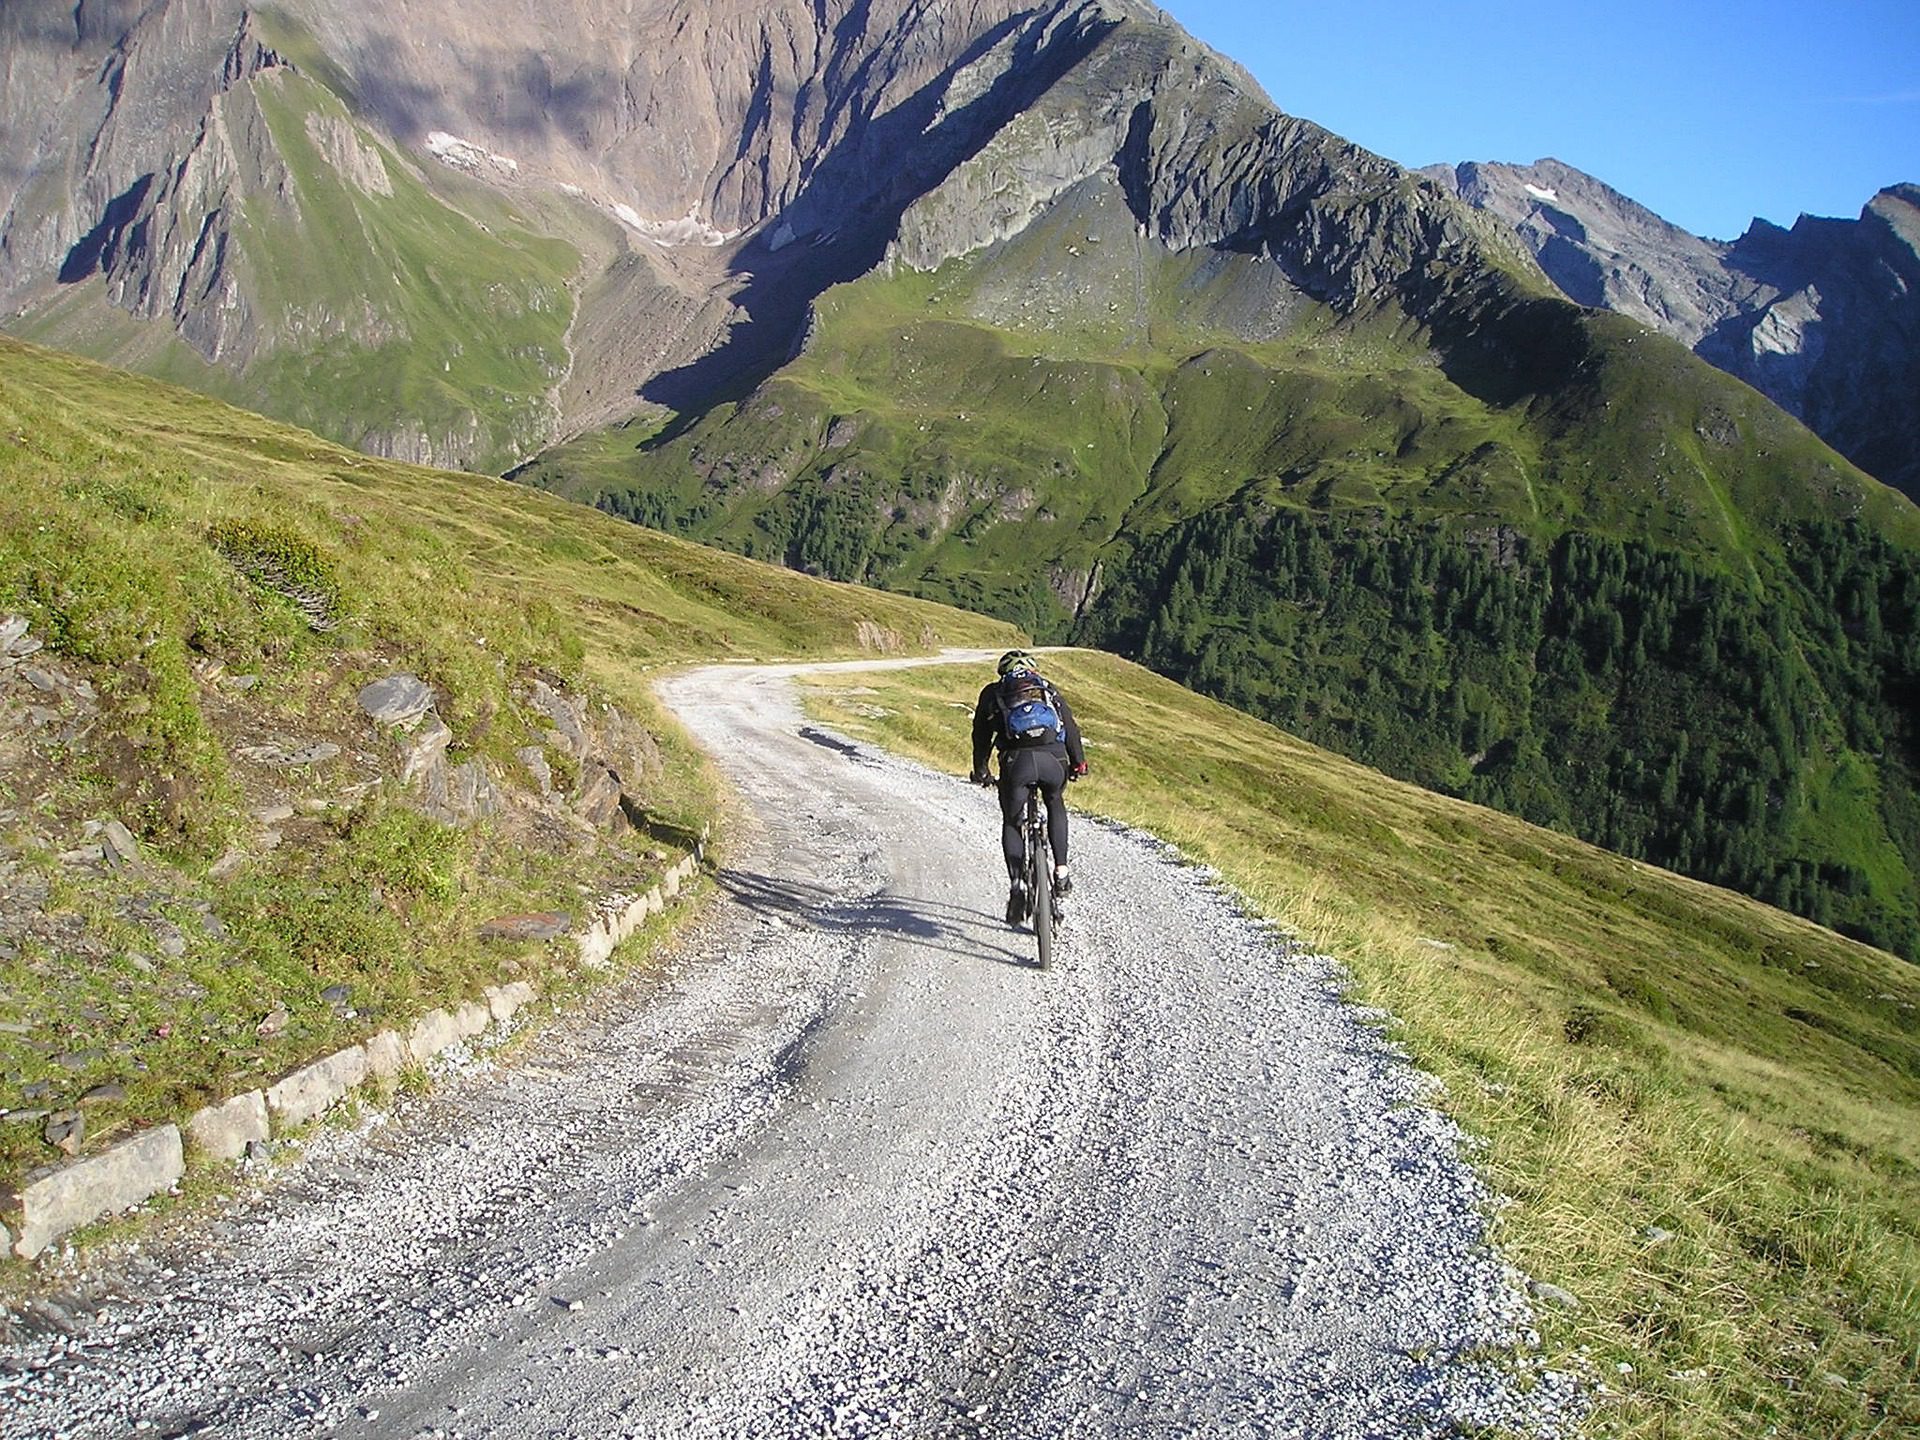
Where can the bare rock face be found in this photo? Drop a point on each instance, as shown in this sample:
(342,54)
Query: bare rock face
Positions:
(131,135)
(1603,249)
(1201,158)
(1822,318)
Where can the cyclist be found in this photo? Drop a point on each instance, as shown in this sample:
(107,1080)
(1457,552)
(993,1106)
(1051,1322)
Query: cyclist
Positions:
(1027,720)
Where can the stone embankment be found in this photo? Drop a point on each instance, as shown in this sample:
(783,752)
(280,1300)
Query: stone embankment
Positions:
(61,1199)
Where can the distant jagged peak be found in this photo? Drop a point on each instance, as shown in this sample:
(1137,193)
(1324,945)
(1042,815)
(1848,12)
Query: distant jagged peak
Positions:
(250,53)
(1898,208)
(1515,191)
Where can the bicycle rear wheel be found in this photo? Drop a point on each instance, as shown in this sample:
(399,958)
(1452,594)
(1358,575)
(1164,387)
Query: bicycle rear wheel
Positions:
(1040,878)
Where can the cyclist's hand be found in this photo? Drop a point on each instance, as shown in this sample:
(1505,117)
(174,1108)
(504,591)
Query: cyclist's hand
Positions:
(1077,771)
(980,777)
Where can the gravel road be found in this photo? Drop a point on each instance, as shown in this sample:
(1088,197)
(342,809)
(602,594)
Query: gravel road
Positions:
(850,1165)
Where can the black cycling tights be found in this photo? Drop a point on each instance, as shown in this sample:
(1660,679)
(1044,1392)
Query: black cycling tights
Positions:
(1020,771)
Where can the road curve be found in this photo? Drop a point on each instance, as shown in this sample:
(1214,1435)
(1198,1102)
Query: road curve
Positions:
(850,1165)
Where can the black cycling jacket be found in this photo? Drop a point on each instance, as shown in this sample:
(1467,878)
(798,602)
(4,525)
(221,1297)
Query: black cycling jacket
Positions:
(990,733)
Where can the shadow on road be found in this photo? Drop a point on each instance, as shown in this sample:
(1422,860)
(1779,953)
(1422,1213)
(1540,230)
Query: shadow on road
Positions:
(832,742)
(934,925)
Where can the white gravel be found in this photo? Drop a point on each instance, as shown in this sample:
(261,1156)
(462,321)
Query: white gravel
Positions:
(852,1167)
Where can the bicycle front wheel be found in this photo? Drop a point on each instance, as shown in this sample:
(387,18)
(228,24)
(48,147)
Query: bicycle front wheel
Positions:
(1043,919)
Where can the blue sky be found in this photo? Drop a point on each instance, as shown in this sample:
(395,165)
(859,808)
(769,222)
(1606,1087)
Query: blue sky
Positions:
(1706,111)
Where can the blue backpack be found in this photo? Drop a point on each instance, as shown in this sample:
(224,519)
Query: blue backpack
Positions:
(1028,711)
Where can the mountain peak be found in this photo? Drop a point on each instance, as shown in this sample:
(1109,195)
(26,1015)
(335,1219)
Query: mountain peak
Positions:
(1819,317)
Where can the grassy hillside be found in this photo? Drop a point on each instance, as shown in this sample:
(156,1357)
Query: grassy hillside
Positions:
(1706,1112)
(1534,556)
(211,590)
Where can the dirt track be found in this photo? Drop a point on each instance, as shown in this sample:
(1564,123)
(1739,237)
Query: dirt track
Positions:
(852,1166)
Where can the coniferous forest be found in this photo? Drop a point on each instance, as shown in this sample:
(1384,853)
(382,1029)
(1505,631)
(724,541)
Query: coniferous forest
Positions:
(1628,694)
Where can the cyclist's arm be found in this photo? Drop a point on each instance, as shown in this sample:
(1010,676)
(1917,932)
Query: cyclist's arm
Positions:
(984,715)
(1075,751)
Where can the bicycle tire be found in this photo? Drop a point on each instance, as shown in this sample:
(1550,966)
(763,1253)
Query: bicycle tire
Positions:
(1039,879)
(1043,922)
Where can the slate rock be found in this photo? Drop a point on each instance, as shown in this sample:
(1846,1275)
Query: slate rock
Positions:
(396,699)
(471,793)
(122,849)
(426,751)
(535,759)
(80,1059)
(65,1130)
(568,715)
(310,754)
(106,1094)
(537,925)
(598,800)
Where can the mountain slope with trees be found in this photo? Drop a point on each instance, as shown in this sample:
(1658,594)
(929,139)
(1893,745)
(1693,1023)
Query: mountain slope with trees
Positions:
(1555,564)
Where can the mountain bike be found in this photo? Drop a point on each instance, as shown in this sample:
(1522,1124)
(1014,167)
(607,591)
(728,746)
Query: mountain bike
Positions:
(1036,873)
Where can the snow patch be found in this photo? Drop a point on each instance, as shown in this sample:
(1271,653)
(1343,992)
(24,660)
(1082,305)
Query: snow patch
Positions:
(465,155)
(690,229)
(1540,192)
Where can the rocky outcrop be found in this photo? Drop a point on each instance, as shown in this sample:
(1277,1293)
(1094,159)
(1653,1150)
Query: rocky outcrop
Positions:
(133,165)
(1822,318)
(1204,159)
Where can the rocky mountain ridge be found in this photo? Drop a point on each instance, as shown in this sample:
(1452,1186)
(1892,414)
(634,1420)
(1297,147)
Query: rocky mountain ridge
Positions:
(1823,317)
(654,192)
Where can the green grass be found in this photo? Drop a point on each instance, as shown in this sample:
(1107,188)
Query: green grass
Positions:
(158,541)
(1641,1052)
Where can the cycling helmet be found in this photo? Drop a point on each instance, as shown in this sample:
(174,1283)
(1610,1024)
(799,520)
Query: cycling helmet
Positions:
(1015,660)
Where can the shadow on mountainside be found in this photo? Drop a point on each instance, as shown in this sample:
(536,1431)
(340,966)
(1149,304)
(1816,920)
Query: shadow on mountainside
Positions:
(844,223)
